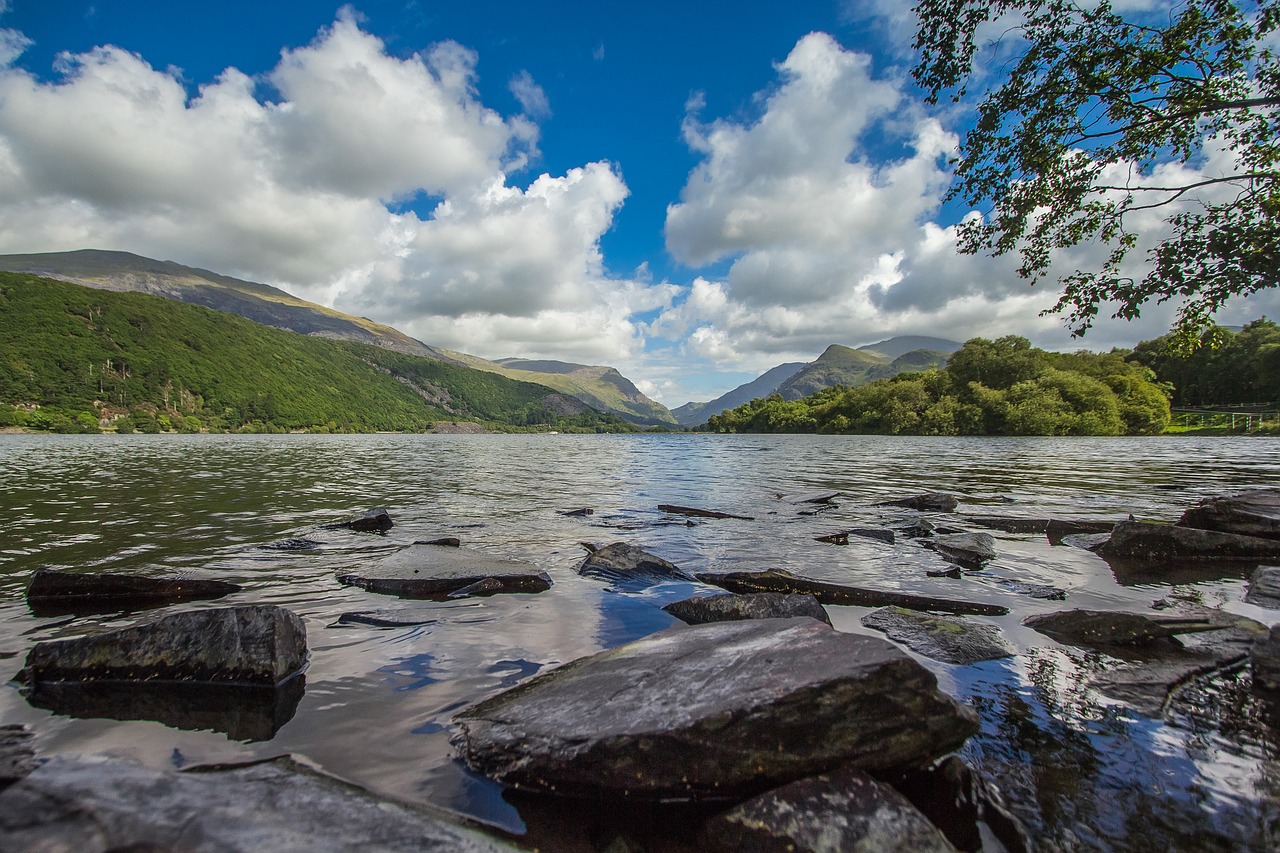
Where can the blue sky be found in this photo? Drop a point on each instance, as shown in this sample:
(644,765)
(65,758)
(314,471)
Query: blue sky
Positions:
(691,192)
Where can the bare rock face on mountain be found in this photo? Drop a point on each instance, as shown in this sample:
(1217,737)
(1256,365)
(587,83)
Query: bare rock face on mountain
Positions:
(720,710)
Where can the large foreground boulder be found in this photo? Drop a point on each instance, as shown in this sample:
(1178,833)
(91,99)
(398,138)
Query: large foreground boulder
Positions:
(721,710)
(51,591)
(94,804)
(435,572)
(259,644)
(1255,513)
(845,810)
(1146,541)
(727,607)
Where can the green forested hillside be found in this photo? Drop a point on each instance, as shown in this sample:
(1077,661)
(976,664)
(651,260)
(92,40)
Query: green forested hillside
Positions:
(72,357)
(1002,387)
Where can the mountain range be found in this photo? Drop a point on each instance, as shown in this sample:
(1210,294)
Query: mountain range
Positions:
(602,388)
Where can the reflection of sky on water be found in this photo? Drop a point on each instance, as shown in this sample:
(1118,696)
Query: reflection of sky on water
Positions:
(379,701)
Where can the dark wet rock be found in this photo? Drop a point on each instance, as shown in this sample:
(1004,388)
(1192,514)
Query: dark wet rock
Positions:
(957,800)
(1103,628)
(1264,658)
(928,502)
(943,638)
(970,550)
(701,513)
(480,589)
(1034,590)
(17,755)
(443,541)
(777,580)
(96,804)
(838,811)
(578,513)
(295,543)
(52,592)
(398,617)
(1255,513)
(1009,524)
(954,573)
(1058,529)
(842,538)
(376,520)
(721,710)
(432,572)
(629,564)
(1144,540)
(728,607)
(918,529)
(240,711)
(1264,588)
(258,644)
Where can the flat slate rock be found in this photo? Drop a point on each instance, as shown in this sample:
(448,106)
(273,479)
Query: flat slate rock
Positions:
(695,512)
(1042,591)
(435,572)
(376,520)
(629,564)
(1058,529)
(1009,524)
(1253,513)
(928,502)
(777,580)
(943,638)
(1146,686)
(95,804)
(845,810)
(1104,628)
(1144,540)
(729,607)
(51,591)
(399,617)
(724,710)
(842,538)
(1264,588)
(252,644)
(970,550)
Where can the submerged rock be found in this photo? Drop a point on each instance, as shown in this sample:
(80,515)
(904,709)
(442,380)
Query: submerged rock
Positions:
(720,710)
(728,607)
(845,810)
(292,544)
(1009,524)
(17,756)
(940,637)
(1253,513)
(52,592)
(628,563)
(259,644)
(1146,686)
(1042,591)
(1058,529)
(1264,588)
(928,502)
(876,533)
(777,580)
(376,520)
(971,550)
(399,617)
(1104,628)
(1264,659)
(1143,540)
(97,804)
(442,541)
(432,572)
(694,512)
(957,800)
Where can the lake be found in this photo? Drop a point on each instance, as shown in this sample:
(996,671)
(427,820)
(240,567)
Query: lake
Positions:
(1080,770)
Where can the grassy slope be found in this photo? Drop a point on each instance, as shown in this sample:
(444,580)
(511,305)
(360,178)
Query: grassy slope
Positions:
(68,346)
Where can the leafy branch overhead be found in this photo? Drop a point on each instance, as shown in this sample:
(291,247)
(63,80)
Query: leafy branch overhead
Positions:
(1100,126)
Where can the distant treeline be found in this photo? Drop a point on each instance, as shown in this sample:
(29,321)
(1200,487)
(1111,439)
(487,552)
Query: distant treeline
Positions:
(1229,368)
(1001,387)
(76,359)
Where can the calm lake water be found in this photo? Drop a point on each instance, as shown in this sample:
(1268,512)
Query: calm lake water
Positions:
(1080,770)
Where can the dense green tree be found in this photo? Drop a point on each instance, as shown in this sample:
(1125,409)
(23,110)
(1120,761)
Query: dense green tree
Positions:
(1232,368)
(1100,118)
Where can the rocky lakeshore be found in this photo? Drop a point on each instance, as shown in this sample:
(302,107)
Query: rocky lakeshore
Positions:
(720,710)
